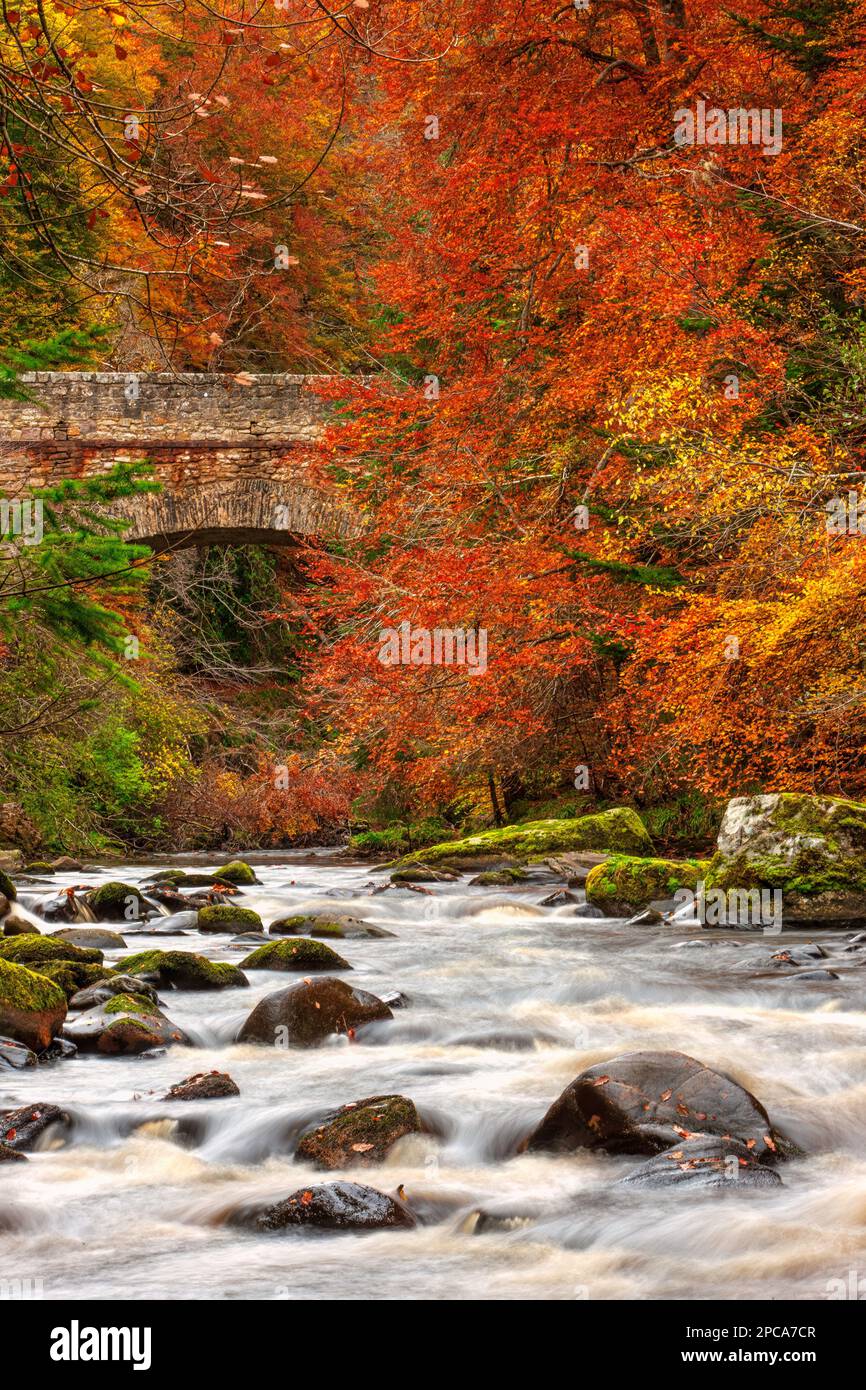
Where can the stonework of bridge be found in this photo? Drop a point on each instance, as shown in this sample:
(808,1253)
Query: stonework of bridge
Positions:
(229,456)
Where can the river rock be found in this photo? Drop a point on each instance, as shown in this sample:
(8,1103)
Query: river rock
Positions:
(228,918)
(36,950)
(237,872)
(324,924)
(32,1008)
(116,902)
(644,1102)
(127,1024)
(7,887)
(624,883)
(294,953)
(498,878)
(811,848)
(360,1133)
(71,975)
(423,873)
(8,1155)
(205,1085)
(182,970)
(305,1014)
(705,1163)
(176,923)
(99,937)
(105,989)
(333,1206)
(21,1129)
(13,925)
(65,865)
(14,1055)
(620,829)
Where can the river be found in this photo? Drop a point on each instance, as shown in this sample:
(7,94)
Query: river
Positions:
(507,1002)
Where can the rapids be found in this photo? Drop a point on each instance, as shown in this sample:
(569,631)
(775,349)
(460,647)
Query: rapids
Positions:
(507,1002)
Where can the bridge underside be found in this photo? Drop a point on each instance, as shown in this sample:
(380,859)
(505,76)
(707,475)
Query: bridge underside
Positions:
(256,511)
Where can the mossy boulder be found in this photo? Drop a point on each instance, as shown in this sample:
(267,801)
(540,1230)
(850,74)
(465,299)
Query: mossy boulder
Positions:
(7,887)
(359,1134)
(35,949)
(116,902)
(811,848)
(225,917)
(237,872)
(40,866)
(71,975)
(618,830)
(423,873)
(294,953)
(498,878)
(182,970)
(125,1025)
(32,1007)
(624,884)
(305,1014)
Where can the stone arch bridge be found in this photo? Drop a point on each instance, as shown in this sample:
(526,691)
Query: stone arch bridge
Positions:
(230,457)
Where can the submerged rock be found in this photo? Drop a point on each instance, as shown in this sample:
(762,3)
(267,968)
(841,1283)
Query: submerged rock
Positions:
(325,924)
(32,1008)
(305,1014)
(228,918)
(205,1085)
(23,1128)
(360,1133)
(333,1206)
(294,953)
(182,970)
(104,989)
(705,1163)
(127,1024)
(624,884)
(644,1102)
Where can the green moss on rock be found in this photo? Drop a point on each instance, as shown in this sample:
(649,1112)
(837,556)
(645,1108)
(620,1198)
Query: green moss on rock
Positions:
(294,953)
(72,975)
(802,845)
(225,917)
(624,883)
(237,872)
(359,1134)
(116,902)
(34,950)
(32,1007)
(620,829)
(182,970)
(7,887)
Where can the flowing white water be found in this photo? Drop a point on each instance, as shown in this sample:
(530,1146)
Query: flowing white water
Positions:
(508,1001)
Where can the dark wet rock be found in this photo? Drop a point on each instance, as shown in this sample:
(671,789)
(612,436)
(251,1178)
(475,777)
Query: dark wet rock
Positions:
(588,912)
(182,902)
(498,878)
(127,1024)
(176,922)
(561,898)
(483,1222)
(15,1055)
(182,970)
(702,1163)
(333,1206)
(58,1050)
(798,955)
(643,1102)
(13,925)
(8,1154)
(305,1014)
(395,999)
(105,989)
(325,925)
(228,918)
(574,868)
(423,873)
(32,1008)
(248,938)
(294,953)
(817,976)
(99,937)
(7,887)
(360,1133)
(65,907)
(22,1129)
(650,917)
(205,1085)
(116,902)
